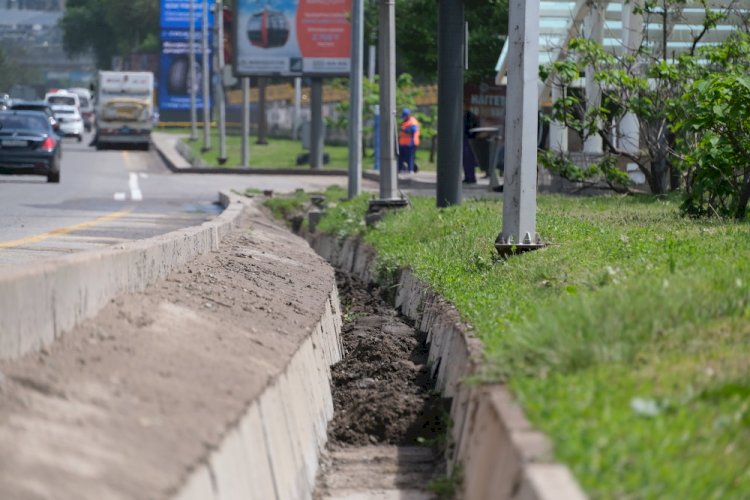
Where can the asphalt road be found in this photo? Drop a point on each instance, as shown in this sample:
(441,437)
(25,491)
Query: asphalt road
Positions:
(113,196)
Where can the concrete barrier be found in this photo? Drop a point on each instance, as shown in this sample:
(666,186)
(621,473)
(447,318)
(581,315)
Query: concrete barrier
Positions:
(500,455)
(40,302)
(272,453)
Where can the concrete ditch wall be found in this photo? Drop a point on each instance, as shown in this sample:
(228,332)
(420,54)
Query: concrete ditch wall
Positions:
(273,451)
(501,456)
(40,302)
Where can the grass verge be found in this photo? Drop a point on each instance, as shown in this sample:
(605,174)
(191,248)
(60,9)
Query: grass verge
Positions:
(627,340)
(279,153)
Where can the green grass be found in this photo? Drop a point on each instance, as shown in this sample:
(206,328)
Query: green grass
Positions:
(627,339)
(279,153)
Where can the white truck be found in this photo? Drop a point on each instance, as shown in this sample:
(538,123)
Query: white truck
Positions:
(124,108)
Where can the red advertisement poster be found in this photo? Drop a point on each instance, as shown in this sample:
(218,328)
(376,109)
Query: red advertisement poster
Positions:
(324,28)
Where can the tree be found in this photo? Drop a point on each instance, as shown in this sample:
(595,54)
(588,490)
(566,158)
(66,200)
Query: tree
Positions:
(713,120)
(110,28)
(642,83)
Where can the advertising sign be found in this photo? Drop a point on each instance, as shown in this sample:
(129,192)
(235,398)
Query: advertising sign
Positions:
(292,37)
(174,81)
(176,14)
(174,58)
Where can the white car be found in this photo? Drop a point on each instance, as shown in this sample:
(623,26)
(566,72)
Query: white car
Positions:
(70,120)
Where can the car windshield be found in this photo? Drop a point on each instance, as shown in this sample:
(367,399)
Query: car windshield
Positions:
(59,99)
(30,122)
(84,102)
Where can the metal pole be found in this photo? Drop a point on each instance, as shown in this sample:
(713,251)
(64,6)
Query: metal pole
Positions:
(192,83)
(219,72)
(297,107)
(371,63)
(387,58)
(521,121)
(206,86)
(355,100)
(316,126)
(450,104)
(245,81)
(262,118)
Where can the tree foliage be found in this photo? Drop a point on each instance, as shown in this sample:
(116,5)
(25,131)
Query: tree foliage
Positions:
(110,28)
(417,36)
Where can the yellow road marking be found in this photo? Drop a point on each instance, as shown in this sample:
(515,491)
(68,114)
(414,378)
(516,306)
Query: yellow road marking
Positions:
(66,230)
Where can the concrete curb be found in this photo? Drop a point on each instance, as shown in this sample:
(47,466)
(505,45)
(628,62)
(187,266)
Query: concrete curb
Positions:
(500,455)
(274,450)
(185,166)
(38,304)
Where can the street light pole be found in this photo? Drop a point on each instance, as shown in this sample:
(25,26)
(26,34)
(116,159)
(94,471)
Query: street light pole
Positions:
(219,72)
(451,63)
(206,87)
(387,46)
(521,121)
(191,54)
(355,101)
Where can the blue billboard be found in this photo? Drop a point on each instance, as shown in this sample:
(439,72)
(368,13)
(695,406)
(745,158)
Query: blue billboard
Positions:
(174,58)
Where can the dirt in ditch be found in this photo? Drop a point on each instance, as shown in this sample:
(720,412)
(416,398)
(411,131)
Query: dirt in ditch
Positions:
(382,389)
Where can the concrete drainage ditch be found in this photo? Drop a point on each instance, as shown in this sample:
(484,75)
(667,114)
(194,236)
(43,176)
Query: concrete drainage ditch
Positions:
(388,427)
(490,445)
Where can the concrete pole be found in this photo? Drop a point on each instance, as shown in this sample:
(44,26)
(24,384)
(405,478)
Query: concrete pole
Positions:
(191,62)
(558,132)
(355,101)
(521,120)
(245,81)
(316,125)
(594,30)
(387,58)
(451,30)
(206,86)
(632,24)
(297,107)
(219,72)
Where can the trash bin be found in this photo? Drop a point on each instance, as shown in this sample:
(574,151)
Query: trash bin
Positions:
(488,148)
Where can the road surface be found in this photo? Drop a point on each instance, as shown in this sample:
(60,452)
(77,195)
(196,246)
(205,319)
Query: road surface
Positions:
(112,196)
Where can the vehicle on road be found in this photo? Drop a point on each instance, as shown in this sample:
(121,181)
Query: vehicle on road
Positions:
(42,106)
(28,145)
(124,108)
(71,122)
(5,101)
(87,106)
(62,97)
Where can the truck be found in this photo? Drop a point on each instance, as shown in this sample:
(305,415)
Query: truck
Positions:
(124,108)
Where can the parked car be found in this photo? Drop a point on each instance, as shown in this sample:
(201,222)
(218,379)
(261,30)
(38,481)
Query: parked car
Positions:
(87,106)
(37,106)
(70,120)
(28,145)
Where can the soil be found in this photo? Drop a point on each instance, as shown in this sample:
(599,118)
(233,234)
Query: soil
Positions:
(126,404)
(382,389)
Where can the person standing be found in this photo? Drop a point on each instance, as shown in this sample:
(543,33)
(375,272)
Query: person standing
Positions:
(408,141)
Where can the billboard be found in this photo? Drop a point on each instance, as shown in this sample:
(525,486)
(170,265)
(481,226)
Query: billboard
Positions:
(292,37)
(174,58)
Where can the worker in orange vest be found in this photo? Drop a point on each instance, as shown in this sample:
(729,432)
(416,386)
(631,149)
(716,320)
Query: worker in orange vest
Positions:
(408,140)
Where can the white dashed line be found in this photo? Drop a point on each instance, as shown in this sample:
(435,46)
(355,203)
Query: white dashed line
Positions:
(119,196)
(135,191)
(143,176)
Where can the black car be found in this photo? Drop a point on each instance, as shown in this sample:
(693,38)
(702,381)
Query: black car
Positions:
(28,145)
(42,106)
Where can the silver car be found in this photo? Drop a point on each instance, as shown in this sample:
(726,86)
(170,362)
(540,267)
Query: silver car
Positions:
(71,122)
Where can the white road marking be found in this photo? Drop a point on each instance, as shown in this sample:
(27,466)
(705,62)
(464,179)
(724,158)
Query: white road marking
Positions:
(143,176)
(135,191)
(119,196)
